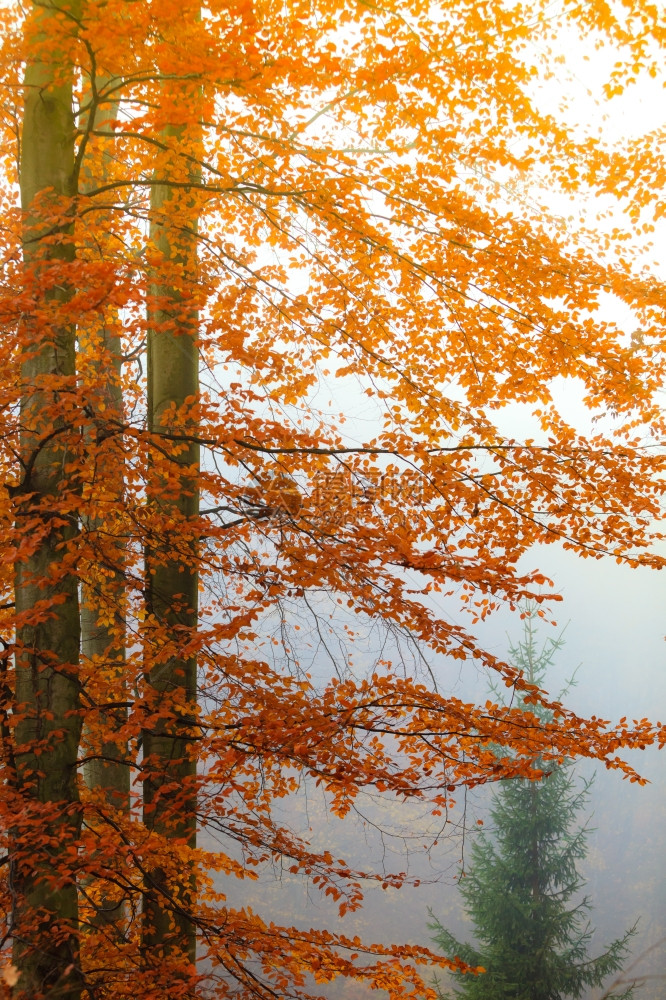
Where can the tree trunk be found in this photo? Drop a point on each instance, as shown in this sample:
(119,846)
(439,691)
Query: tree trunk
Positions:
(106,770)
(171,564)
(47,709)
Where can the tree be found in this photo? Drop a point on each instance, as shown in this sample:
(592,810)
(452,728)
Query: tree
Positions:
(248,196)
(172,579)
(523,890)
(103,635)
(42,793)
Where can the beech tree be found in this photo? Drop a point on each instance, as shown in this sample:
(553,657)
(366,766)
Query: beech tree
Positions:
(42,797)
(522,888)
(104,748)
(171,563)
(226,212)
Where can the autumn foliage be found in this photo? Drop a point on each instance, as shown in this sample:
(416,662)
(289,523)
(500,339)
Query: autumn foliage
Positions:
(215,220)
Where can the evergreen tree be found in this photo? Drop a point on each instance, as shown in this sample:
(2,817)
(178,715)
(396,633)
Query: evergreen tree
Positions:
(523,889)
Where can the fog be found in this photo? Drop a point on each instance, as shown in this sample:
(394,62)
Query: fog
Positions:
(613,624)
(613,630)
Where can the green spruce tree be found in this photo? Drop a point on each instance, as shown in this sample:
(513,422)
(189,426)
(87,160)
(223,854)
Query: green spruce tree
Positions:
(523,890)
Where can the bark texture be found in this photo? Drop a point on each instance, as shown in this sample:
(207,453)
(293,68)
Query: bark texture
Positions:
(106,769)
(171,565)
(47,709)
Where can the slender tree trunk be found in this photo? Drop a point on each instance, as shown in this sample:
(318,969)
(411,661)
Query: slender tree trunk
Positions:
(47,711)
(171,558)
(536,861)
(103,592)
